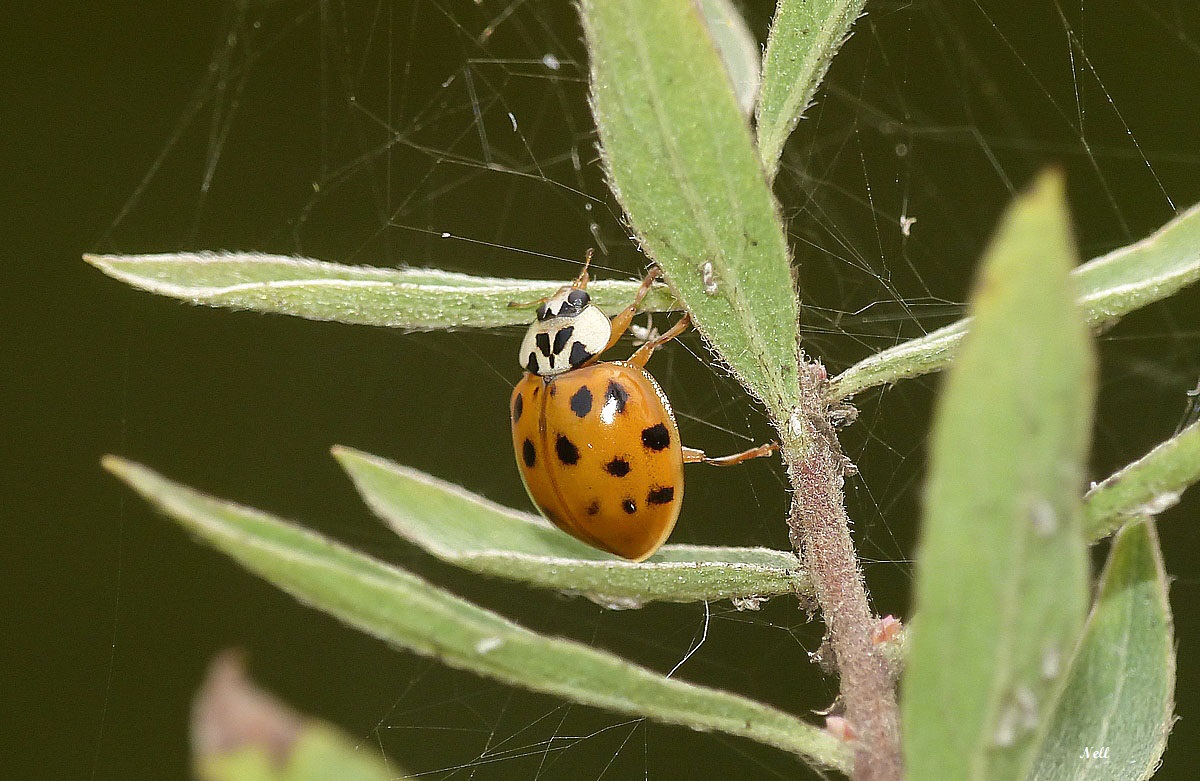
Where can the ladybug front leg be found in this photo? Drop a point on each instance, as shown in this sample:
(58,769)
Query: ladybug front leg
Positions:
(644,352)
(693,456)
(620,323)
(581,281)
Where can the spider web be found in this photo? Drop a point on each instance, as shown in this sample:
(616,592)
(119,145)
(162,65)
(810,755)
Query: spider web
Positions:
(457,136)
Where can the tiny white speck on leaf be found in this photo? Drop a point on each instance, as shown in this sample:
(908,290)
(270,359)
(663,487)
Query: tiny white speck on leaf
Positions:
(488,644)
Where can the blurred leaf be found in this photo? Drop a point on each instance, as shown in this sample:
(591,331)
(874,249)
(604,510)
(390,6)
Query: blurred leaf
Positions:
(413,299)
(408,612)
(1109,287)
(805,35)
(469,531)
(1001,574)
(1119,696)
(737,47)
(1148,486)
(681,159)
(242,733)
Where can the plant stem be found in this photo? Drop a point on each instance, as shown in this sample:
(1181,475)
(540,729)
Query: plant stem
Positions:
(820,533)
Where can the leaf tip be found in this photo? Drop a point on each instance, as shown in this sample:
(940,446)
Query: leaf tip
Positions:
(1050,184)
(347,456)
(117,466)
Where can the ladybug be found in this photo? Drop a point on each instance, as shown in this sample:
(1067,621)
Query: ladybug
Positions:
(596,442)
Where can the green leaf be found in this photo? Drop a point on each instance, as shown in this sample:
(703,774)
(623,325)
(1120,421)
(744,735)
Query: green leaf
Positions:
(682,161)
(737,47)
(1001,577)
(1119,697)
(242,733)
(413,299)
(805,35)
(471,532)
(1109,287)
(1148,486)
(408,612)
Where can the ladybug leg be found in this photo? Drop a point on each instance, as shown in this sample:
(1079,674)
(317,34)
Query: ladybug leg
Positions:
(581,281)
(644,352)
(620,323)
(693,456)
(528,304)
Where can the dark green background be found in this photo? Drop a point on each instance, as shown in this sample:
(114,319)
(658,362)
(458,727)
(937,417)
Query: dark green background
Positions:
(111,115)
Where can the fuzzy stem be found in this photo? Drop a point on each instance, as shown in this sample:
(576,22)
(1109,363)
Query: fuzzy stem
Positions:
(820,533)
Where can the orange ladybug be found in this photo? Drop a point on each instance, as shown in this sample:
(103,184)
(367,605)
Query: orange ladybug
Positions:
(596,442)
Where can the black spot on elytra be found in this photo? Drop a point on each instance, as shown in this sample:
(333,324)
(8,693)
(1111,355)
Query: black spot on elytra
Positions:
(581,402)
(531,364)
(629,506)
(560,338)
(656,437)
(579,354)
(661,495)
(566,450)
(618,467)
(518,407)
(617,393)
(543,343)
(529,454)
(553,390)
(594,507)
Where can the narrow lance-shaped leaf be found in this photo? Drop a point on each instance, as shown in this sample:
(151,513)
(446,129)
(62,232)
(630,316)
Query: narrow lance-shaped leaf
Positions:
(1112,721)
(1001,576)
(401,609)
(681,159)
(1148,486)
(737,47)
(805,34)
(471,532)
(1108,288)
(409,298)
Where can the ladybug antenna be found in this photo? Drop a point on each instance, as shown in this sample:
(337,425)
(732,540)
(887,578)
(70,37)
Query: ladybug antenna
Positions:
(581,281)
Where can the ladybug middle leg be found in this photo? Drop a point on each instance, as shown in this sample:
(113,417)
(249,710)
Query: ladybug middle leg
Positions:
(693,456)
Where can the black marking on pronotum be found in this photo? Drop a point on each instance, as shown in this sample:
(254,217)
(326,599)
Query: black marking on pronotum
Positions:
(594,507)
(551,359)
(579,354)
(528,452)
(581,402)
(661,495)
(560,338)
(566,450)
(578,299)
(656,437)
(543,313)
(629,506)
(618,467)
(531,364)
(518,407)
(543,343)
(617,393)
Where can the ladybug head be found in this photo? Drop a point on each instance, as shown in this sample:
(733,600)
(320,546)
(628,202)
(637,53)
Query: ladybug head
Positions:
(569,332)
(567,302)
